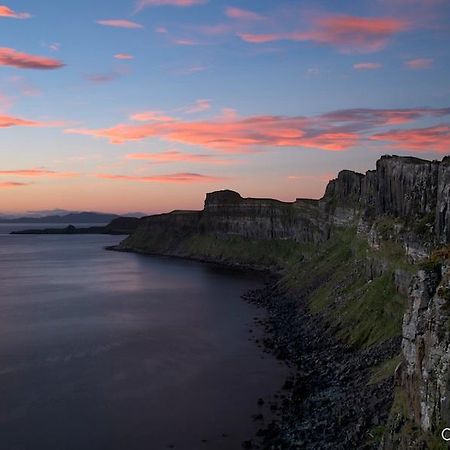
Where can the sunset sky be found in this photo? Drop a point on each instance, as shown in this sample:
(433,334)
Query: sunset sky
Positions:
(125,105)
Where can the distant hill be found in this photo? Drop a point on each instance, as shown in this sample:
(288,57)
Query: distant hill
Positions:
(119,225)
(82,217)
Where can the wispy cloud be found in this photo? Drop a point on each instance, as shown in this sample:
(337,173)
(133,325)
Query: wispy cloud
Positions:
(175,156)
(333,131)
(123,56)
(191,70)
(13,58)
(243,14)
(40,173)
(419,63)
(120,23)
(430,139)
(348,33)
(5,11)
(24,86)
(11,184)
(199,106)
(181,41)
(7,121)
(183,178)
(141,4)
(55,46)
(151,116)
(367,66)
(101,78)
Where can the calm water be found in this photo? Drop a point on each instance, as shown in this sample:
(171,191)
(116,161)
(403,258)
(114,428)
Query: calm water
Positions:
(102,350)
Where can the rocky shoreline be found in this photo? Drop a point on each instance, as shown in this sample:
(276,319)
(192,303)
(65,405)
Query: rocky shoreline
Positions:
(329,400)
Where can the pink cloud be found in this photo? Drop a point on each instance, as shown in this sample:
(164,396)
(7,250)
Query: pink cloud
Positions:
(419,63)
(169,178)
(119,23)
(38,173)
(436,138)
(11,121)
(124,56)
(242,14)
(141,4)
(262,38)
(5,11)
(231,135)
(162,30)
(174,156)
(334,131)
(11,184)
(348,33)
(367,66)
(13,58)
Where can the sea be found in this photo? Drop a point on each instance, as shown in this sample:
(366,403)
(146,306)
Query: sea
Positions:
(101,350)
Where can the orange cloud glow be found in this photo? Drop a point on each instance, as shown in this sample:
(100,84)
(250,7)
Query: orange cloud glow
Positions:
(13,58)
(5,11)
(119,23)
(349,33)
(334,131)
(429,139)
(170,178)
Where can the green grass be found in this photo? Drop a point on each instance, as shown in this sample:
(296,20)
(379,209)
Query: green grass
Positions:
(375,316)
(385,370)
(275,254)
(335,282)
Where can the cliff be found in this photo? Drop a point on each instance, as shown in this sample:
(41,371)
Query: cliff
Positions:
(356,257)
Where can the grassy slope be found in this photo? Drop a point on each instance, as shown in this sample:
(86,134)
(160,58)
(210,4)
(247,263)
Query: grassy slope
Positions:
(364,309)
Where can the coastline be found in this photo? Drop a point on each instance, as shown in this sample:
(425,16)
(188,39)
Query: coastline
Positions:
(329,399)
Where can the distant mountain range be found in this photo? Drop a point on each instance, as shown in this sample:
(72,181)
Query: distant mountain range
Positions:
(69,218)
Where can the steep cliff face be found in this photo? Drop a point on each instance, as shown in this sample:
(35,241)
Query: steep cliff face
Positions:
(227,213)
(426,347)
(402,187)
(401,211)
(443,201)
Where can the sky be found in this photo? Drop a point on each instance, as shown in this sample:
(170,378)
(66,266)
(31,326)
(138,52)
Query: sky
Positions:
(146,105)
